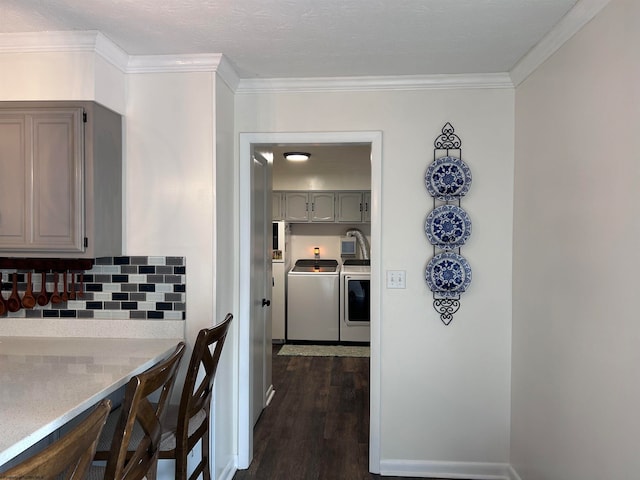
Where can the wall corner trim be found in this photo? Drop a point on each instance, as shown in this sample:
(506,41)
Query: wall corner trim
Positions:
(581,14)
(111,52)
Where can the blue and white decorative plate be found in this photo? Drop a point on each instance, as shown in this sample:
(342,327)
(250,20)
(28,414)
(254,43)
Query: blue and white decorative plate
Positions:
(448,178)
(448,274)
(448,227)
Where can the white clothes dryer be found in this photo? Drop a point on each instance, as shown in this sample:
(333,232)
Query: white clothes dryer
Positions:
(355,301)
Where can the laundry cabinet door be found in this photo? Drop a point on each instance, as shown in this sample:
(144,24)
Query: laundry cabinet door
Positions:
(296,206)
(349,207)
(322,207)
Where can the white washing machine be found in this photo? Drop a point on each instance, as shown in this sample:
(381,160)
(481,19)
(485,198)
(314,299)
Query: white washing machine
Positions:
(313,292)
(355,301)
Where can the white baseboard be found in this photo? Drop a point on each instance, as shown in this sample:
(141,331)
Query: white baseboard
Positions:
(410,468)
(270,393)
(513,475)
(228,471)
(452,470)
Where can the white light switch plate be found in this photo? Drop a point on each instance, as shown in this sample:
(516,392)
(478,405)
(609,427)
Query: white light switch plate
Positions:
(396,279)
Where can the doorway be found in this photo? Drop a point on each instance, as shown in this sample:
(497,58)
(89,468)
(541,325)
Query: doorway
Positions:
(247,141)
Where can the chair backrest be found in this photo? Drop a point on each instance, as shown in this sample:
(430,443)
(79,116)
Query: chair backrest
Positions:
(69,457)
(142,412)
(197,389)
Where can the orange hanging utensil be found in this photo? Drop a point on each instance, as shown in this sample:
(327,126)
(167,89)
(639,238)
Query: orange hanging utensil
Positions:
(28,300)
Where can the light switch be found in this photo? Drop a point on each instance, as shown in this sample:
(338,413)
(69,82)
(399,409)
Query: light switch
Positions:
(396,279)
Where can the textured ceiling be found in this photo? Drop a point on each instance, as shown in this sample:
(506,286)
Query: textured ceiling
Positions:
(309,38)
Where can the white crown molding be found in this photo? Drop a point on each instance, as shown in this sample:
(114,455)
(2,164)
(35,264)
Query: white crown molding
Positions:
(581,13)
(96,42)
(48,42)
(84,41)
(374,83)
(205,62)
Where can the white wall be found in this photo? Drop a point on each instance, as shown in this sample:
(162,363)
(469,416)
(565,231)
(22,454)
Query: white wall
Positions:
(346,167)
(575,317)
(306,236)
(225,280)
(173,145)
(445,390)
(169,174)
(61,76)
(178,177)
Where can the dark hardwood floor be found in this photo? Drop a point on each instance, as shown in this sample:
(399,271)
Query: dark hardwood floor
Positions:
(317,426)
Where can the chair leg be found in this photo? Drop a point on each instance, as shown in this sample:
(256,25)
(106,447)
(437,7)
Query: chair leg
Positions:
(152,473)
(206,473)
(181,465)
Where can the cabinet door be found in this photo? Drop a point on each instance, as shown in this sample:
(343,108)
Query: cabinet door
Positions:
(57,181)
(366,207)
(296,206)
(277,206)
(15,138)
(323,207)
(41,199)
(350,207)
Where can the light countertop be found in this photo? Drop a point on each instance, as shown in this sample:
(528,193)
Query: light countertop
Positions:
(46,381)
(91,327)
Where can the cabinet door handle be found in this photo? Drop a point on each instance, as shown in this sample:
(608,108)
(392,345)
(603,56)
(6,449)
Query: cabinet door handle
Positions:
(265,302)
(313,207)
(361,207)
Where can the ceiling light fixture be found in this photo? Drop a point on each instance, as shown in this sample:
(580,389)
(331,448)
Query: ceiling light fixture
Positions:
(297,156)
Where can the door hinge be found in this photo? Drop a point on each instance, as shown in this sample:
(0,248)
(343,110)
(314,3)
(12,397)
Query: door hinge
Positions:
(84,117)
(86,242)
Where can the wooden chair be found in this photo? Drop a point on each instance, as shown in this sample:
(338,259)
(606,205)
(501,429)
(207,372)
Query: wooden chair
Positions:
(131,438)
(188,422)
(68,458)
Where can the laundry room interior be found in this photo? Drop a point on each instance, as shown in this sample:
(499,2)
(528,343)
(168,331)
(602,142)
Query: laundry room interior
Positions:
(321,244)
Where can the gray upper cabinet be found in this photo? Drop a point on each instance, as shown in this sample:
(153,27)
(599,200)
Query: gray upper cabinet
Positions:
(302,207)
(353,207)
(366,207)
(349,207)
(322,206)
(61,180)
(277,206)
(296,206)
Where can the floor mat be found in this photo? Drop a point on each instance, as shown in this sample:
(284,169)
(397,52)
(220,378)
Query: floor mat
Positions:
(325,350)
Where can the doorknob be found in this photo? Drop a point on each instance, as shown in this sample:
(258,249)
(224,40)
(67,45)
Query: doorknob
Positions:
(265,302)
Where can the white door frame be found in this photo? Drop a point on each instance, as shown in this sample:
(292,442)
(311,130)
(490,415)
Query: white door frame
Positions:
(245,429)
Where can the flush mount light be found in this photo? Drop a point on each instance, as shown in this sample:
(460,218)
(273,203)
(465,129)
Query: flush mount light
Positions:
(297,156)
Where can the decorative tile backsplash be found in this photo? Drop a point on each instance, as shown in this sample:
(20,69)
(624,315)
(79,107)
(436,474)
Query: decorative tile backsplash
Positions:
(116,287)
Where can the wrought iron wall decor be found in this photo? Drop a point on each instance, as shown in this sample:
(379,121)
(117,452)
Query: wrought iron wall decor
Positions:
(448,226)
